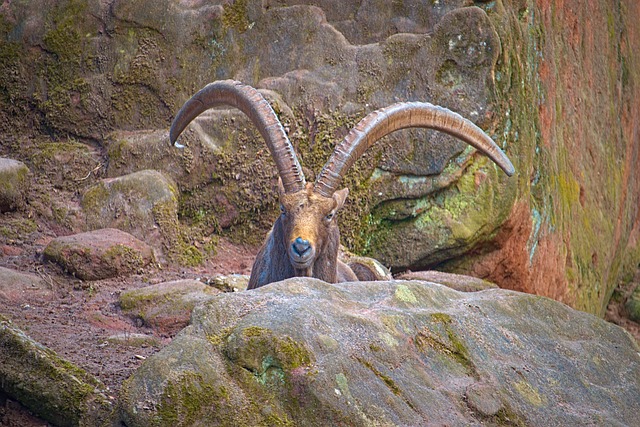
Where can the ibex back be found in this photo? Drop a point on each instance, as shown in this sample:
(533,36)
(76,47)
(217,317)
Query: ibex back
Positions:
(305,240)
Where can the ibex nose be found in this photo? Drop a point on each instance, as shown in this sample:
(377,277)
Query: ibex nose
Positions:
(301,246)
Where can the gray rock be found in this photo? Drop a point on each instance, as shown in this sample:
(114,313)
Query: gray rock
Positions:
(458,282)
(167,306)
(14,183)
(303,352)
(50,387)
(133,340)
(100,254)
(143,203)
(18,287)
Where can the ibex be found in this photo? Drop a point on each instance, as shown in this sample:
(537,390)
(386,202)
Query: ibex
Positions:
(304,240)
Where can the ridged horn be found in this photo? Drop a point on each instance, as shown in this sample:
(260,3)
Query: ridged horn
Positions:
(252,103)
(384,121)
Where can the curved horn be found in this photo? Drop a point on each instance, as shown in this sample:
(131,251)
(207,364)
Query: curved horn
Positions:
(402,115)
(252,103)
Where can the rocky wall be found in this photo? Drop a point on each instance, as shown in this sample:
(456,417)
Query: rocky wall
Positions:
(552,82)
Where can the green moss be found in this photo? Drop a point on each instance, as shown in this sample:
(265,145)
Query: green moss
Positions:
(124,257)
(530,394)
(451,346)
(176,240)
(17,228)
(64,65)
(388,381)
(284,352)
(235,15)
(185,400)
(65,395)
(403,293)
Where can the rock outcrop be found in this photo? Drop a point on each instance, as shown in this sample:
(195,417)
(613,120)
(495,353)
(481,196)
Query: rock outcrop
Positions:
(555,86)
(303,352)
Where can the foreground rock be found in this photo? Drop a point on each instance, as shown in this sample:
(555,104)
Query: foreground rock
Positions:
(100,254)
(50,387)
(303,352)
(454,281)
(13,184)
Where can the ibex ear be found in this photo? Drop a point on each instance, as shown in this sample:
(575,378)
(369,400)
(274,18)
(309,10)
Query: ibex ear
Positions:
(340,196)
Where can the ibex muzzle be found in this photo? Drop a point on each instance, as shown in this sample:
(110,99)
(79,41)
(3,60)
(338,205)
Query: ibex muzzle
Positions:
(305,240)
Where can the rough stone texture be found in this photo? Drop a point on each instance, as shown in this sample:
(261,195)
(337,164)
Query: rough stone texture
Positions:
(14,183)
(100,254)
(167,306)
(554,84)
(133,340)
(50,387)
(454,281)
(303,352)
(140,203)
(16,286)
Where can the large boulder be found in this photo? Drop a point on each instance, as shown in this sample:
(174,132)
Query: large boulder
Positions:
(304,352)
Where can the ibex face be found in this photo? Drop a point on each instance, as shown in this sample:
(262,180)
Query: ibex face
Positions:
(304,240)
(309,221)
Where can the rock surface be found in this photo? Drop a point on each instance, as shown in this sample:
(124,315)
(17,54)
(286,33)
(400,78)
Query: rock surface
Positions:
(51,387)
(100,254)
(303,352)
(141,203)
(16,286)
(167,306)
(556,87)
(14,183)
(454,281)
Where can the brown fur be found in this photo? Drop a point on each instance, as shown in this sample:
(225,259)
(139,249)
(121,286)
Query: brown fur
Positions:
(311,217)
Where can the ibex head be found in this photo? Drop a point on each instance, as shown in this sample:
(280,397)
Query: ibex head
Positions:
(304,240)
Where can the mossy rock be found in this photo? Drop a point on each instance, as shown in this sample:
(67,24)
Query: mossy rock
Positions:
(14,184)
(143,203)
(50,387)
(304,352)
(68,165)
(100,254)
(167,306)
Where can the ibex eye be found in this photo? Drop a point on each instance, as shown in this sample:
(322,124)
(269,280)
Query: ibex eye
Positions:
(282,210)
(329,217)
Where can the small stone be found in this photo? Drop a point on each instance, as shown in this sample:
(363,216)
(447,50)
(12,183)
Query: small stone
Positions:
(133,340)
(14,184)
